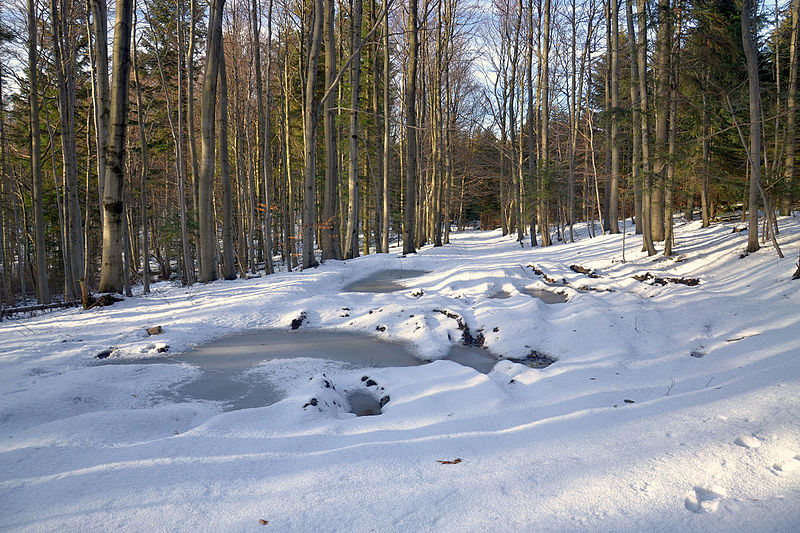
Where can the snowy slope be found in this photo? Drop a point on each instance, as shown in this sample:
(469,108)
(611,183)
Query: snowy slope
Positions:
(708,439)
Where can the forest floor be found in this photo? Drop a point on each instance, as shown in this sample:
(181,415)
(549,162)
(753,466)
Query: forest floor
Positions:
(672,405)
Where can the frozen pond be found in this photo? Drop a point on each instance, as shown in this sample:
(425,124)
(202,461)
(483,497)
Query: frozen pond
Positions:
(257,369)
(383,281)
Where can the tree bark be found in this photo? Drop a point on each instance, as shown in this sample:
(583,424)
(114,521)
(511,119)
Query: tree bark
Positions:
(268,189)
(64,58)
(791,108)
(663,49)
(42,287)
(100,88)
(228,263)
(329,242)
(613,197)
(755,127)
(647,231)
(386,136)
(351,238)
(544,223)
(311,116)
(143,178)
(190,100)
(208,235)
(111,270)
(531,120)
(409,228)
(673,132)
(636,125)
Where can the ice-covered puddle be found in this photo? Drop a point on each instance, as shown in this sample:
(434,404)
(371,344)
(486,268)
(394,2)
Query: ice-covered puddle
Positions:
(259,368)
(383,281)
(548,297)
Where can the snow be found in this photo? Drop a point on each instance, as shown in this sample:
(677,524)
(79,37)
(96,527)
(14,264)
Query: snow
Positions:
(669,408)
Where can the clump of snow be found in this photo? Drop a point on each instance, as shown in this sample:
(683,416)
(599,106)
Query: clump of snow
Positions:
(747,441)
(95,447)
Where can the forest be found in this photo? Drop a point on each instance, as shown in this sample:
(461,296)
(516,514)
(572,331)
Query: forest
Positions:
(192,140)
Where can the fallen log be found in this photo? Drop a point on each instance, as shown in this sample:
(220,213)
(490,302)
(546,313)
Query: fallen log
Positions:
(10,311)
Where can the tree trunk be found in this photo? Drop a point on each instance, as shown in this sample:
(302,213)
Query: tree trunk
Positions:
(268,189)
(755,126)
(100,88)
(351,240)
(190,101)
(544,223)
(263,166)
(5,277)
(663,49)
(143,179)
(386,137)
(377,138)
(111,270)
(42,287)
(613,197)
(647,226)
(64,58)
(673,132)
(287,218)
(311,115)
(409,228)
(329,242)
(704,207)
(636,125)
(208,235)
(516,156)
(791,109)
(228,263)
(531,120)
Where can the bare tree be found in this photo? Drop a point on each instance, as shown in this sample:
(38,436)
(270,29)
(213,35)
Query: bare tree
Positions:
(544,125)
(409,228)
(330,243)
(111,270)
(791,100)
(268,266)
(386,133)
(262,157)
(755,126)
(42,287)
(64,44)
(613,198)
(98,44)
(351,235)
(207,238)
(228,263)
(663,75)
(311,121)
(647,225)
(144,170)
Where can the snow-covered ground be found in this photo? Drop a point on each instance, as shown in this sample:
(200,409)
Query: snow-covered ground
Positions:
(670,408)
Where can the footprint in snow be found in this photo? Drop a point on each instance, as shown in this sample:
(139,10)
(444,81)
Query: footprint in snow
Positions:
(704,499)
(784,467)
(747,441)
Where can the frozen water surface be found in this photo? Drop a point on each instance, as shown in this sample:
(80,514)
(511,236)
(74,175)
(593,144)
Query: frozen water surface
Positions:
(384,281)
(250,370)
